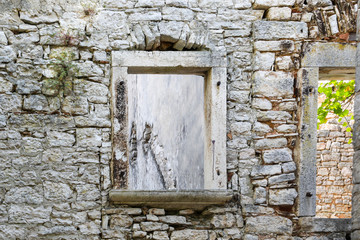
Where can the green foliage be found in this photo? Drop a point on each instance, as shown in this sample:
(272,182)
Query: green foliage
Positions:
(65,70)
(339,95)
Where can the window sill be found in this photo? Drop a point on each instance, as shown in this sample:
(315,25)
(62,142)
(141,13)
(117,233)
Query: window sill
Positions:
(187,199)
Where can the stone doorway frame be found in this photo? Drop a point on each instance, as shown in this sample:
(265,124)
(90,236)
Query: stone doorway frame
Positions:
(320,61)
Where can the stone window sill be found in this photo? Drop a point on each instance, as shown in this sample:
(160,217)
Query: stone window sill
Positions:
(171,199)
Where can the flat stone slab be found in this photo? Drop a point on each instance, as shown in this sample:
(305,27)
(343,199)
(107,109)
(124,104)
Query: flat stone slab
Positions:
(190,199)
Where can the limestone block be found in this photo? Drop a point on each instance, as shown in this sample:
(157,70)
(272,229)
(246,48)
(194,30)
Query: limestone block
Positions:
(87,192)
(30,18)
(5,86)
(223,221)
(3,38)
(153,226)
(12,232)
(28,195)
(282,196)
(117,4)
(272,115)
(119,220)
(281,178)
(73,21)
(323,225)
(288,167)
(177,14)
(36,103)
(270,143)
(260,195)
(279,13)
(265,170)
(3,121)
(177,3)
(149,16)
(265,4)
(272,30)
(57,139)
(320,3)
(268,224)
(273,84)
(88,88)
(29,214)
(261,128)
(173,220)
(239,96)
(242,4)
(7,54)
(56,191)
(262,104)
(189,234)
(88,137)
(264,61)
(24,38)
(277,156)
(160,235)
(284,63)
(43,231)
(333,24)
(90,228)
(240,128)
(283,45)
(28,86)
(157,211)
(286,128)
(88,69)
(110,21)
(75,105)
(215,3)
(170,31)
(150,3)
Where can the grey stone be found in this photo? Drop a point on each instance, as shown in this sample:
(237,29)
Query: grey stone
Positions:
(150,3)
(90,228)
(260,195)
(268,224)
(120,221)
(75,105)
(282,196)
(189,234)
(36,103)
(264,61)
(12,232)
(261,128)
(88,69)
(320,3)
(272,30)
(283,45)
(28,195)
(279,13)
(160,235)
(87,88)
(277,156)
(273,115)
(3,38)
(87,192)
(240,128)
(36,19)
(270,143)
(170,31)
(286,128)
(288,167)
(177,14)
(223,221)
(284,63)
(56,230)
(7,54)
(265,4)
(265,170)
(5,86)
(57,139)
(309,224)
(173,220)
(88,137)
(273,84)
(28,214)
(3,121)
(56,191)
(28,86)
(281,178)
(153,226)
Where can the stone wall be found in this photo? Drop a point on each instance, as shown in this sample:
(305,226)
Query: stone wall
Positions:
(55,142)
(334,170)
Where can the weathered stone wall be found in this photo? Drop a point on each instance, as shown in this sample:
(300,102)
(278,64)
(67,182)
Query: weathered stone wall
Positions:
(56,147)
(334,169)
